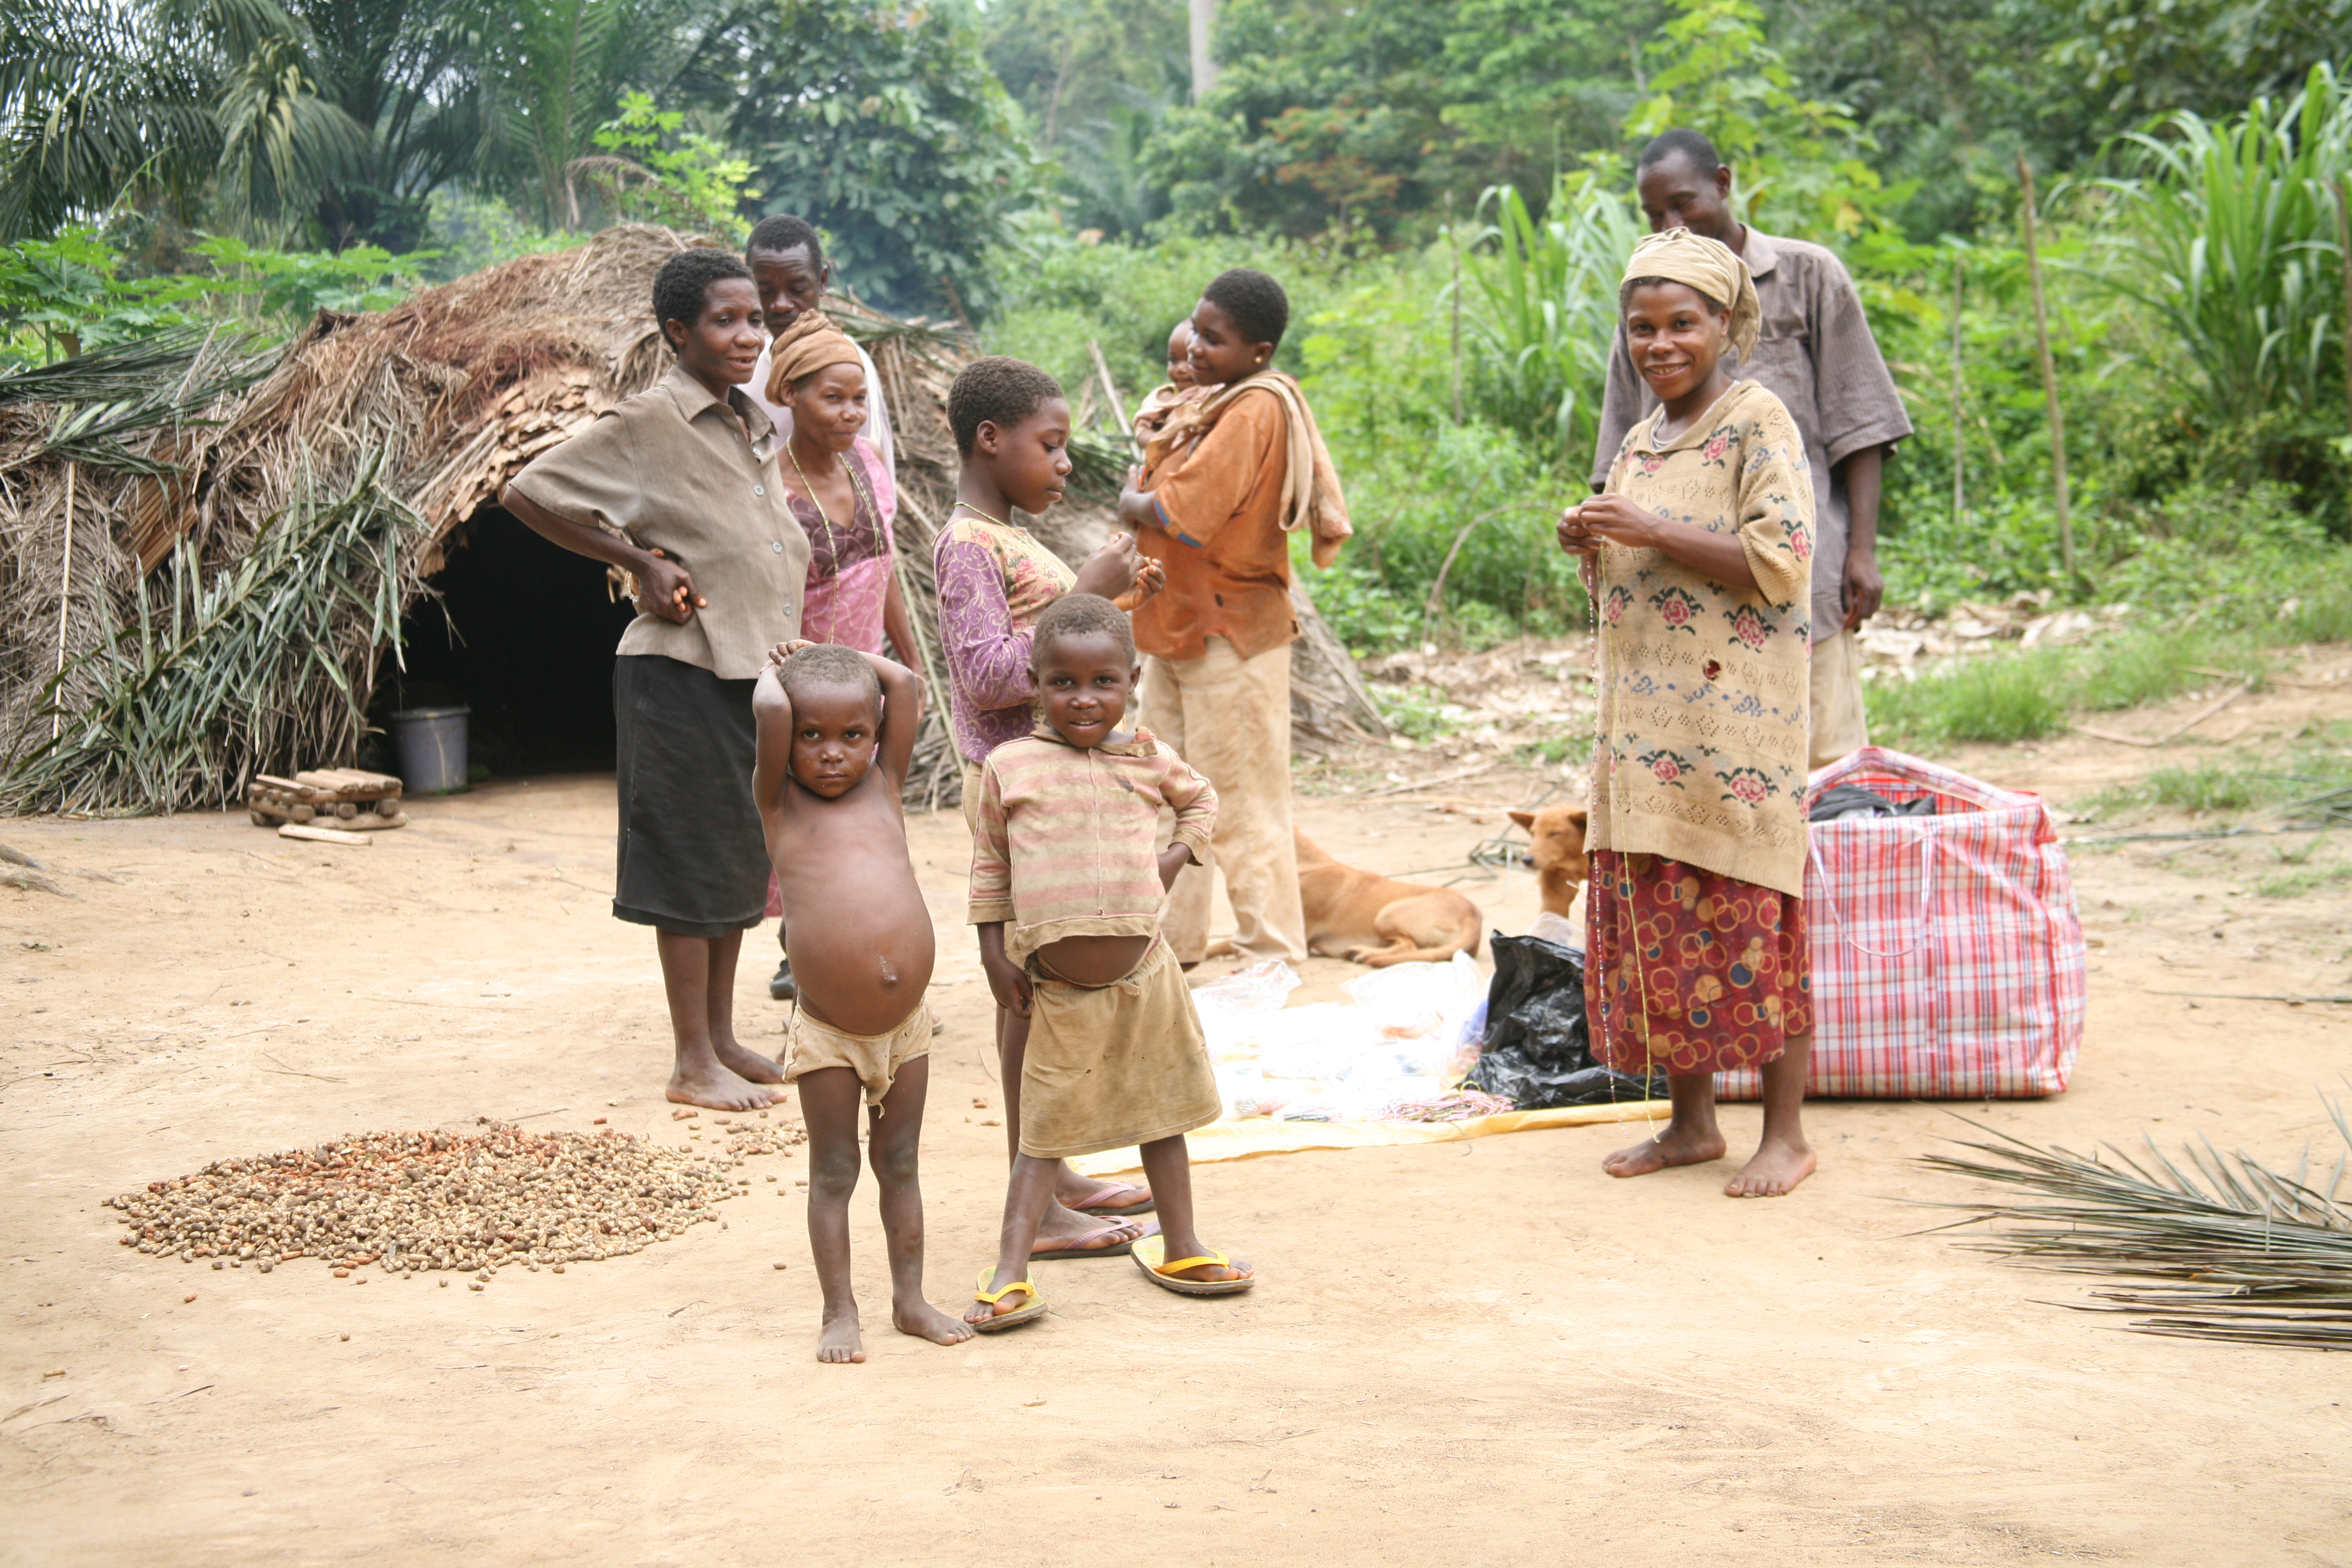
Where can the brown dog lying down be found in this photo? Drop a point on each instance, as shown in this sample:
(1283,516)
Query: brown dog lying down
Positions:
(1377,920)
(1560,867)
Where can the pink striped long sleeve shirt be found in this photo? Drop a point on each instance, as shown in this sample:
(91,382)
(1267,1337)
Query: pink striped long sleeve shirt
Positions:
(1066,836)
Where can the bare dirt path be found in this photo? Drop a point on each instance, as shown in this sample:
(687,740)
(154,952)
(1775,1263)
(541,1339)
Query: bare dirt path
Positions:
(1477,1354)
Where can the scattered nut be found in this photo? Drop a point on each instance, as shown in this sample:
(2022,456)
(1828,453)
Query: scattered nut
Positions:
(408,1202)
(346,1338)
(61,1371)
(979,1103)
(598,1123)
(473,1287)
(189,1296)
(683,1115)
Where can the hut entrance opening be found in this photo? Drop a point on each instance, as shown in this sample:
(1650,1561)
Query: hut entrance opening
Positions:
(527,643)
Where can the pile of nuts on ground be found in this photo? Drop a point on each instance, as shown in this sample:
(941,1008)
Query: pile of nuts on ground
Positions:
(472,1202)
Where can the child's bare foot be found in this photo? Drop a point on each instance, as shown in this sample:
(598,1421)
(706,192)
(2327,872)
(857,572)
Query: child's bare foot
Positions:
(1775,1170)
(1016,1299)
(925,1322)
(746,1063)
(716,1089)
(1671,1147)
(839,1341)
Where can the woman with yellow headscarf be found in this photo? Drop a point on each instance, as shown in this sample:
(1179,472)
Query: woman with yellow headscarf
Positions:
(1698,557)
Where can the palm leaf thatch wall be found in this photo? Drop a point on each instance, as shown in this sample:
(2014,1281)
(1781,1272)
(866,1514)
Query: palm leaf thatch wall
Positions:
(205,553)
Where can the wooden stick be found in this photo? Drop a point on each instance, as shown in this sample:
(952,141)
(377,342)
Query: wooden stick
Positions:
(1440,779)
(2344,253)
(323,835)
(1453,241)
(2176,732)
(1959,433)
(64,591)
(2049,371)
(1110,389)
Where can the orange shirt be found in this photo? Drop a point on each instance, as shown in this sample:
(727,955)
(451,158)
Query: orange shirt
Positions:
(1221,539)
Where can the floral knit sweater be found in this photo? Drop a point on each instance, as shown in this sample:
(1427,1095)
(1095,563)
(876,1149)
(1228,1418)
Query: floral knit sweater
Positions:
(1703,686)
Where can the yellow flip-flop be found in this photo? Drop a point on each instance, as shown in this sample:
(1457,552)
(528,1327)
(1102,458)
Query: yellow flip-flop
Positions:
(1013,1319)
(1150,1255)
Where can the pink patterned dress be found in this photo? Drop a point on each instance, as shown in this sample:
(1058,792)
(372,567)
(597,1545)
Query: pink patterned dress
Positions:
(849,558)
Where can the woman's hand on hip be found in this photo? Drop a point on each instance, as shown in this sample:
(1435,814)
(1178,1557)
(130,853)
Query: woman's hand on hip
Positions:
(666,589)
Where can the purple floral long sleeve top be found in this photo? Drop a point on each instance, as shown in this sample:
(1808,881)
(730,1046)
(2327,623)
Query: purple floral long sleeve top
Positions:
(994,580)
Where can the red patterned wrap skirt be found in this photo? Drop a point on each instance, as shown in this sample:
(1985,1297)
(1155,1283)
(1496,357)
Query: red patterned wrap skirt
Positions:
(1690,971)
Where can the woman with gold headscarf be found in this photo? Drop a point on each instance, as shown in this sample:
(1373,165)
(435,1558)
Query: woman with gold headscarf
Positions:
(1698,557)
(840,492)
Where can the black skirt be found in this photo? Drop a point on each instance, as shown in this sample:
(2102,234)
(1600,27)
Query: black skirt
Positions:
(693,859)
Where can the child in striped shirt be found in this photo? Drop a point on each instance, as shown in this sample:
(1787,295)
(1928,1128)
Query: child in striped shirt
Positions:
(1067,891)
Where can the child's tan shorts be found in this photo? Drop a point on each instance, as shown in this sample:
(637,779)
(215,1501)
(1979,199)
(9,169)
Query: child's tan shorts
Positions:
(875,1058)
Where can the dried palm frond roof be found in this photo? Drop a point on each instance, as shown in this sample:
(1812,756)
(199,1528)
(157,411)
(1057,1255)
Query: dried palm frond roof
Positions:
(395,426)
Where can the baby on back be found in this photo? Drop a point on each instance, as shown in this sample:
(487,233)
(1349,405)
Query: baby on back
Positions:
(836,732)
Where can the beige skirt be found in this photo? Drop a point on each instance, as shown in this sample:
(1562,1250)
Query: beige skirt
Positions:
(875,1058)
(1112,1064)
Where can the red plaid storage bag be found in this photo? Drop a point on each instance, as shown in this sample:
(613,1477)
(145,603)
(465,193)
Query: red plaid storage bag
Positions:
(1948,953)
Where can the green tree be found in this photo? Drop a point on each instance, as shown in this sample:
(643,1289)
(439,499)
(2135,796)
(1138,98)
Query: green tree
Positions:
(1798,159)
(1335,114)
(881,123)
(1095,79)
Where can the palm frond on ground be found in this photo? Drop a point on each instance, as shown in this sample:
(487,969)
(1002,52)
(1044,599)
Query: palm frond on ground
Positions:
(2228,1247)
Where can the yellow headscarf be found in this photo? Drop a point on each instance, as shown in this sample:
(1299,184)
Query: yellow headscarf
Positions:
(1709,265)
(805,347)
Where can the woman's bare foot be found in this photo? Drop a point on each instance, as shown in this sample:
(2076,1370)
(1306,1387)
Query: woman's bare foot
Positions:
(1778,1166)
(925,1322)
(746,1063)
(1671,1147)
(716,1089)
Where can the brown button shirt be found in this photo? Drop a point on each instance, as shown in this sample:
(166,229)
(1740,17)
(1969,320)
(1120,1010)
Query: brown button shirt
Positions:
(1228,559)
(1815,353)
(675,469)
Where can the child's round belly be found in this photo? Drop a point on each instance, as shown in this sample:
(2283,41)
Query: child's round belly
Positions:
(1094,960)
(863,957)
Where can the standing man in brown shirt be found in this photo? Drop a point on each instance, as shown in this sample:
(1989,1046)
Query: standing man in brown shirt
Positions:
(1223,484)
(1817,357)
(677,487)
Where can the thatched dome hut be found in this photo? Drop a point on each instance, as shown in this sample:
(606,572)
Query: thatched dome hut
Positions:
(213,565)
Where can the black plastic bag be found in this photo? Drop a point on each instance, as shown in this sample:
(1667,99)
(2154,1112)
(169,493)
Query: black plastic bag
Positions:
(1538,1054)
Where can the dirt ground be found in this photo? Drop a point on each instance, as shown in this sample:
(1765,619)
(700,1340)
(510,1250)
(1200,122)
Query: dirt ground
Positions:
(1485,1353)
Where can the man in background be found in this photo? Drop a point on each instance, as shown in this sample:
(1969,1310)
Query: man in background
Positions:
(1817,357)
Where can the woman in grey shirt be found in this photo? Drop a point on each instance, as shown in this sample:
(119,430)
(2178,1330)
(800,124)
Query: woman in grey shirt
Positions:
(677,487)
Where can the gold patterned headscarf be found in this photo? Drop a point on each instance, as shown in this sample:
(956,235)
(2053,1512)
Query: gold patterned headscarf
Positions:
(1709,265)
(805,347)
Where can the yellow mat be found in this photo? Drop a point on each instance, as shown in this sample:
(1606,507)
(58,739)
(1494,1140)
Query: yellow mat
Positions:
(1261,1135)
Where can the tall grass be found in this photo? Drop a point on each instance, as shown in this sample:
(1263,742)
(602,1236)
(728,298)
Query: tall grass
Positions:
(1540,315)
(2227,237)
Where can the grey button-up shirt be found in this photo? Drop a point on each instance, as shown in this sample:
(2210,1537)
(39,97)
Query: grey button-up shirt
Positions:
(1815,353)
(675,469)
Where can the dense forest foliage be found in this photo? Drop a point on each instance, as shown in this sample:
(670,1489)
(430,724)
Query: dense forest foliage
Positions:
(1444,187)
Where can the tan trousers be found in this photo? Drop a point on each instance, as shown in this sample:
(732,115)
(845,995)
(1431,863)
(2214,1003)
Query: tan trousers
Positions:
(1230,718)
(1841,727)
